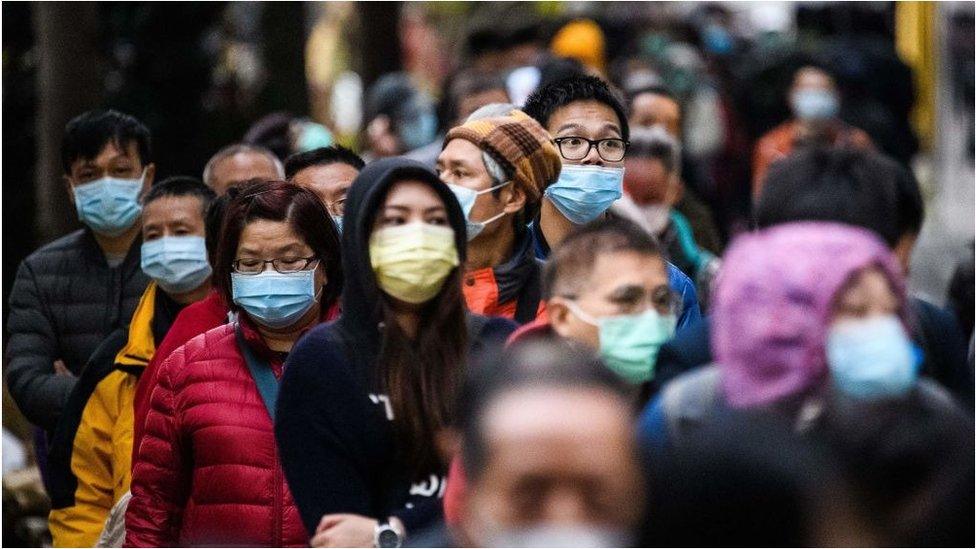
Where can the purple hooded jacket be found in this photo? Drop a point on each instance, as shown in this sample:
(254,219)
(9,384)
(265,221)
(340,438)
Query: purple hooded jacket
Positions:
(773,302)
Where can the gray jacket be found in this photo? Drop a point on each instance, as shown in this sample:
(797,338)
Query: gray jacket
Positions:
(65,300)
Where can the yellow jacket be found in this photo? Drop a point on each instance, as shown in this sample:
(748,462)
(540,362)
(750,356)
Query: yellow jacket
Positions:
(99,420)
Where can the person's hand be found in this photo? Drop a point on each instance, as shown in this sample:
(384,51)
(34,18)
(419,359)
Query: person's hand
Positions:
(344,530)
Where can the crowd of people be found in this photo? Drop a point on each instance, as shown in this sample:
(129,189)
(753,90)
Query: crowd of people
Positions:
(520,328)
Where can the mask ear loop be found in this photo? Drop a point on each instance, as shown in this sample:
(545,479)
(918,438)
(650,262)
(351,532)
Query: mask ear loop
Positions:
(580,313)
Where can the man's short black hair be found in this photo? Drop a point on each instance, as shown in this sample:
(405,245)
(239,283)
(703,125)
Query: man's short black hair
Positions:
(545,101)
(845,185)
(556,363)
(88,133)
(569,266)
(181,185)
(323,156)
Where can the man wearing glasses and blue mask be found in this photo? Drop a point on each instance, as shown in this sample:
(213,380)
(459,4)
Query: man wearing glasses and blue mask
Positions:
(589,126)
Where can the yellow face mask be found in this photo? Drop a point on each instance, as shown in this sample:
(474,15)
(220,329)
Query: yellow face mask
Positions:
(412,261)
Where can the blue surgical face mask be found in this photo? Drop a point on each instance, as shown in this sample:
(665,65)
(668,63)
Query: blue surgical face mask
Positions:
(466,198)
(177,263)
(872,358)
(337,219)
(814,104)
(274,299)
(582,193)
(109,205)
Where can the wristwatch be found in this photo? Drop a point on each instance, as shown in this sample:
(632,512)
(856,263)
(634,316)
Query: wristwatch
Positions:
(386,535)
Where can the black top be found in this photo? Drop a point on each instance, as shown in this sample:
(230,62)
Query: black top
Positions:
(333,426)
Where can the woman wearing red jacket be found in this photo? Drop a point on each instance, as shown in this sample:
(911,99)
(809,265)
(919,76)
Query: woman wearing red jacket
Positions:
(207,471)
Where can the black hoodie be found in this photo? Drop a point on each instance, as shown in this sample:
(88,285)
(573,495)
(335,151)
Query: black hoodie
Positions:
(335,439)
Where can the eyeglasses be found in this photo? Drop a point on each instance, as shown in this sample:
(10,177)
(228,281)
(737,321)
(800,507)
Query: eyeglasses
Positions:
(576,148)
(249,266)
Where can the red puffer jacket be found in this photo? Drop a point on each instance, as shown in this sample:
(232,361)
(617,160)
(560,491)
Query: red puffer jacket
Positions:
(207,471)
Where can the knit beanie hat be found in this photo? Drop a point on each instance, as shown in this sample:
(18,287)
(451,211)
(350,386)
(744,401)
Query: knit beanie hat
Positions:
(522,148)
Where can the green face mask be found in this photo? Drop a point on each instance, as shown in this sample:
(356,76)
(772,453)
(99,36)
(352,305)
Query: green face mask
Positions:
(629,343)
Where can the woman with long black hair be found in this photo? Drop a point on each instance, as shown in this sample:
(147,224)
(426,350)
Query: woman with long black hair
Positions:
(363,398)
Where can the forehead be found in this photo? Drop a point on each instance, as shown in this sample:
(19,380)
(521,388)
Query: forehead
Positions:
(173,208)
(868,284)
(555,426)
(412,193)
(612,269)
(460,150)
(264,233)
(329,173)
(588,114)
(810,77)
(656,103)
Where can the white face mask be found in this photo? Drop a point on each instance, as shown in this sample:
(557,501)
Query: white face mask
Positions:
(466,198)
(657,217)
(551,535)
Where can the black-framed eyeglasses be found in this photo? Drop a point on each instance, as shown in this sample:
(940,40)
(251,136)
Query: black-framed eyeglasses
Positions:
(576,148)
(283,265)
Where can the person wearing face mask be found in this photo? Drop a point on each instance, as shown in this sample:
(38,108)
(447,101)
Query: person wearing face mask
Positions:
(498,168)
(605,289)
(363,398)
(589,126)
(70,294)
(815,102)
(328,172)
(398,117)
(206,471)
(652,190)
(91,449)
(807,316)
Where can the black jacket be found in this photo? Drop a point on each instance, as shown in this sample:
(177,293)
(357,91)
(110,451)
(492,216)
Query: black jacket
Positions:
(335,439)
(65,300)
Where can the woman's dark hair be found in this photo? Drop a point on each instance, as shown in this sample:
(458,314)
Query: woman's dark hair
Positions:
(423,376)
(280,201)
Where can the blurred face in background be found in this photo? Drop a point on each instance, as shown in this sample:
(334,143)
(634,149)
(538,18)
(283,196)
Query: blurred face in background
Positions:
(561,470)
(469,103)
(813,96)
(652,109)
(330,182)
(238,168)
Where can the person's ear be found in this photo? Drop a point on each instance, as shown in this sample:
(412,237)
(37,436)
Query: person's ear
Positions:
(150,177)
(559,316)
(516,199)
(676,190)
(68,187)
(903,250)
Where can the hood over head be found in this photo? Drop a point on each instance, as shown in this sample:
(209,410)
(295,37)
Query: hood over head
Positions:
(361,295)
(773,303)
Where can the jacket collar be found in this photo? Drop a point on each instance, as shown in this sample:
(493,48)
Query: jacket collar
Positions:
(141,346)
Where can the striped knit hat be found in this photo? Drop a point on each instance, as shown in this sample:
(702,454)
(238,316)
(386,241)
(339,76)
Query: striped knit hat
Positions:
(521,147)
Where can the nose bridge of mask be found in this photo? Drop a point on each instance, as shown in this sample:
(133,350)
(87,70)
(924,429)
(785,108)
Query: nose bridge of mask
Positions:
(400,243)
(467,197)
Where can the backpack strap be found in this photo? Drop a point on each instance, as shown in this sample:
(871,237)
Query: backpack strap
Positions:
(261,372)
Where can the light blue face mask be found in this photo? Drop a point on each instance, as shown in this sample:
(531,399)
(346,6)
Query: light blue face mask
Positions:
(337,219)
(872,358)
(813,104)
(313,136)
(582,193)
(274,299)
(177,263)
(109,206)
(466,198)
